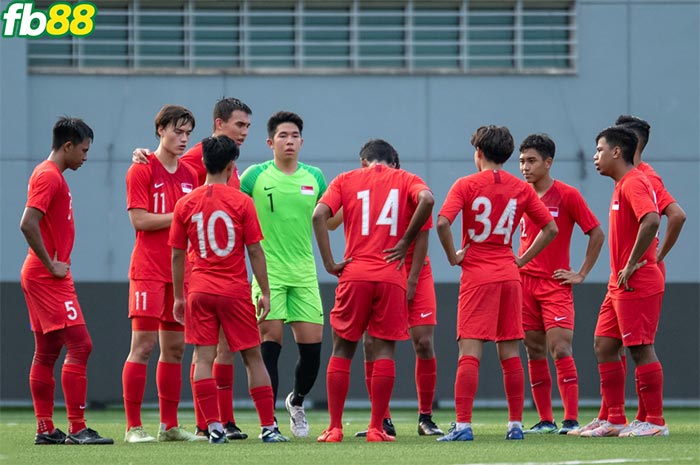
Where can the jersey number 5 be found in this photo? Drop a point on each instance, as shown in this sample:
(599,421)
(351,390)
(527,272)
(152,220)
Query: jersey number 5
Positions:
(504,226)
(210,236)
(388,216)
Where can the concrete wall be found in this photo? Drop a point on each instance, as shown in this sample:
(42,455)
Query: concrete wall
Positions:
(622,68)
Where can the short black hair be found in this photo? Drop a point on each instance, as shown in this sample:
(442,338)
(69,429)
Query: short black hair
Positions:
(640,127)
(283,117)
(218,152)
(620,136)
(495,142)
(379,150)
(542,143)
(69,129)
(224,108)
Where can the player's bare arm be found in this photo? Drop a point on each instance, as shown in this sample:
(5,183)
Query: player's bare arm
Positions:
(596,238)
(423,211)
(419,253)
(29,224)
(676,217)
(140,155)
(142,220)
(445,234)
(648,227)
(336,220)
(256,255)
(322,213)
(544,237)
(178,268)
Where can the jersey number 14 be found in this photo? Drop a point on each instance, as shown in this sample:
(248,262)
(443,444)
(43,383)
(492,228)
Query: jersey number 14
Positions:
(388,216)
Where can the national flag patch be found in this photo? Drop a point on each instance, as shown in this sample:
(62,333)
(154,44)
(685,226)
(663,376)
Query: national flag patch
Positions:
(186,187)
(307,190)
(554,211)
(615,205)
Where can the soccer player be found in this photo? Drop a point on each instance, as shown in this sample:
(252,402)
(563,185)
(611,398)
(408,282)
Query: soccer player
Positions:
(371,293)
(152,190)
(285,192)
(221,221)
(54,312)
(422,318)
(548,304)
(629,314)
(675,216)
(492,202)
(231,119)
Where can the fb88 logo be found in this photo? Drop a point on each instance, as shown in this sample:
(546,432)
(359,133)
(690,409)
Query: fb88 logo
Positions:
(61,18)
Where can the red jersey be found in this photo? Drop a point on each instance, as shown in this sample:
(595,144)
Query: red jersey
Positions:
(567,206)
(492,203)
(632,198)
(663,197)
(218,221)
(152,188)
(193,158)
(48,192)
(374,201)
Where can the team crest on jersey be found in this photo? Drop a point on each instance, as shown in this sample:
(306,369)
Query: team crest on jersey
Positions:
(186,187)
(307,190)
(554,211)
(615,205)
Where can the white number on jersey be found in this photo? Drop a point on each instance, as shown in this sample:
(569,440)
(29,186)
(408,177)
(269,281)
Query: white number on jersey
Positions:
(142,304)
(388,216)
(211,237)
(72,312)
(161,196)
(504,225)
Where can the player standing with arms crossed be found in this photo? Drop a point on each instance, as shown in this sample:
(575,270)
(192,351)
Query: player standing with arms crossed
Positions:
(152,191)
(221,221)
(54,312)
(371,294)
(548,301)
(492,202)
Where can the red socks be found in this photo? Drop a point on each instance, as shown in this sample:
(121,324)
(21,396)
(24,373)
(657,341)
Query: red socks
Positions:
(74,383)
(169,384)
(42,386)
(383,377)
(612,384)
(205,398)
(514,384)
(567,380)
(199,419)
(223,374)
(650,384)
(133,387)
(541,387)
(263,398)
(426,379)
(337,385)
(466,383)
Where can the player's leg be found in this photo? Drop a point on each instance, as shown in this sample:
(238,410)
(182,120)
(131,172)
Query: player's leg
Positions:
(383,378)
(204,391)
(144,337)
(223,374)
(308,338)
(368,352)
(47,348)
(514,385)
(271,331)
(560,342)
(540,381)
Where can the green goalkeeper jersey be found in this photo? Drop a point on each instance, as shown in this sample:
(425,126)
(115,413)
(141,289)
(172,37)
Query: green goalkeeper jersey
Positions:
(285,205)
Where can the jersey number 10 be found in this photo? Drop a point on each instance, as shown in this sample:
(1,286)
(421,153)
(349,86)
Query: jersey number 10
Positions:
(210,236)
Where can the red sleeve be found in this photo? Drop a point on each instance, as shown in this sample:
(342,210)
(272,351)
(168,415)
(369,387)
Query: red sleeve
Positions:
(42,189)
(333,197)
(455,200)
(536,210)
(193,160)
(178,230)
(138,179)
(416,187)
(582,215)
(663,198)
(641,197)
(252,234)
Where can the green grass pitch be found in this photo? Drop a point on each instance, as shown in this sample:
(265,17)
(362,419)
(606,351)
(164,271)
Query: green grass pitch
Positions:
(17,429)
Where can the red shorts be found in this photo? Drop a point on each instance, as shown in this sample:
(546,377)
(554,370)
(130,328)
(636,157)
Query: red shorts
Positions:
(633,321)
(491,312)
(151,299)
(546,304)
(52,303)
(206,314)
(422,309)
(379,308)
